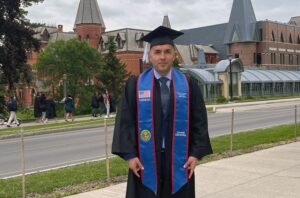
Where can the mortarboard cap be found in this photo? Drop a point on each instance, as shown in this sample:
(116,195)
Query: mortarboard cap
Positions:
(161,35)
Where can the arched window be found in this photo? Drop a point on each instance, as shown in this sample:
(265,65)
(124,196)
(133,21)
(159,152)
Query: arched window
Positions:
(273,36)
(281,38)
(290,39)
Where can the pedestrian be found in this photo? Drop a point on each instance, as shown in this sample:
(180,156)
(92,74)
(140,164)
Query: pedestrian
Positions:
(95,104)
(36,108)
(161,125)
(12,108)
(69,108)
(50,108)
(107,102)
(42,107)
(102,102)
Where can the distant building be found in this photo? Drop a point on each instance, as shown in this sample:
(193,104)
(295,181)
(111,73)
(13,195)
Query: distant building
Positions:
(266,44)
(258,44)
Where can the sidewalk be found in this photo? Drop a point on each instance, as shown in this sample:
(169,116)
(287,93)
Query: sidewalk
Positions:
(254,105)
(269,173)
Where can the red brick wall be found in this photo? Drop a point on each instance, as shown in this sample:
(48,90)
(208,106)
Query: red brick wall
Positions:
(93,30)
(245,52)
(131,60)
(267,46)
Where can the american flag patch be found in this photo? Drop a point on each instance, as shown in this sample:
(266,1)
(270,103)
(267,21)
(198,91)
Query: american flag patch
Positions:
(144,94)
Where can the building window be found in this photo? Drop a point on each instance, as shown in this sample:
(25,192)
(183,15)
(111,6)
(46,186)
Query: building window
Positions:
(291,59)
(261,34)
(297,57)
(79,37)
(281,38)
(273,58)
(258,58)
(273,36)
(254,58)
(298,40)
(21,93)
(290,39)
(236,56)
(282,59)
(87,38)
(140,44)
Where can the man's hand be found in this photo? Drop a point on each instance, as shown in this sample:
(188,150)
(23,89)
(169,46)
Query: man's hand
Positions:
(191,165)
(135,165)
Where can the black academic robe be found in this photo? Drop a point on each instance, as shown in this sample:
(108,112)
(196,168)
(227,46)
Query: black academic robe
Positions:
(125,138)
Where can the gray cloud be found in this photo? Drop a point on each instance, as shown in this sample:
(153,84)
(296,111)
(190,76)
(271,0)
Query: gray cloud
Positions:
(149,14)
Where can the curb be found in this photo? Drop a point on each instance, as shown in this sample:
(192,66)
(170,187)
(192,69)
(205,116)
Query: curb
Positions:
(215,107)
(59,130)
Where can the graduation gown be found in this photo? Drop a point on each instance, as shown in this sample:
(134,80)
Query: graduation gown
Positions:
(125,140)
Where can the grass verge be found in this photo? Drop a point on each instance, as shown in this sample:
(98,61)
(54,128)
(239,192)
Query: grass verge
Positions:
(90,176)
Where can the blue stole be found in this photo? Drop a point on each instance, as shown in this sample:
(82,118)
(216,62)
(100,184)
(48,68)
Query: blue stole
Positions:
(146,132)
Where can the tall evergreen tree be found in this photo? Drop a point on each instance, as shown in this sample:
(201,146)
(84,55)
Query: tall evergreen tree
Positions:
(16,40)
(114,73)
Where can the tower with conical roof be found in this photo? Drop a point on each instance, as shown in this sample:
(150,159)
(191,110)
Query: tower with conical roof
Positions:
(242,23)
(241,34)
(166,22)
(89,24)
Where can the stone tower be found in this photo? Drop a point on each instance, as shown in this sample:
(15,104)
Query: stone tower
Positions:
(89,24)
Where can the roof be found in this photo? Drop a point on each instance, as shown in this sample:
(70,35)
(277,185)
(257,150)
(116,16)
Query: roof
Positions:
(166,22)
(295,20)
(129,36)
(210,36)
(62,36)
(270,76)
(223,65)
(189,52)
(89,13)
(204,76)
(242,23)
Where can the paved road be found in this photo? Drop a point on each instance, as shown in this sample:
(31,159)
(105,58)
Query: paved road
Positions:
(60,149)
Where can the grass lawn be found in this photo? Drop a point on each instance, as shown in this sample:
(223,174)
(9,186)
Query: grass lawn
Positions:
(89,176)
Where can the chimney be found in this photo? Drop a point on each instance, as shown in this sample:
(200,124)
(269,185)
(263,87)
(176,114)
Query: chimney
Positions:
(60,28)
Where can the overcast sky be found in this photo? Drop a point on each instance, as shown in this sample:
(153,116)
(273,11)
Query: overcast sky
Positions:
(148,14)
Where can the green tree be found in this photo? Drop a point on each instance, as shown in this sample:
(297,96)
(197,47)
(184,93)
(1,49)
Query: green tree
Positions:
(16,40)
(76,59)
(114,73)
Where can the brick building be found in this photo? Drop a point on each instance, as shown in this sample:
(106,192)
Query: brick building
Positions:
(263,44)
(266,44)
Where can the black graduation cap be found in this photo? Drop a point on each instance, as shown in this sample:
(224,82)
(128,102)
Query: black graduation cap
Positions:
(161,35)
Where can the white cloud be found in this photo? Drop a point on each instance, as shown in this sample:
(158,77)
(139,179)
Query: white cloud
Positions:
(183,14)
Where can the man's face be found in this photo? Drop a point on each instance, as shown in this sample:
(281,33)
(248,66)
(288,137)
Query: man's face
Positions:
(162,57)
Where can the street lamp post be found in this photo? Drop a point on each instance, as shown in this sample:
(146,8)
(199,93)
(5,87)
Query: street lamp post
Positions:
(65,92)
(230,75)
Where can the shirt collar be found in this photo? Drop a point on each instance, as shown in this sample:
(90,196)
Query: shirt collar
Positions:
(158,76)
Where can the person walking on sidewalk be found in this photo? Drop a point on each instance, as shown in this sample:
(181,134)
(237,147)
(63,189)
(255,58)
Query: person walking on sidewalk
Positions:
(12,108)
(69,108)
(107,102)
(42,107)
(161,125)
(36,108)
(50,108)
(95,104)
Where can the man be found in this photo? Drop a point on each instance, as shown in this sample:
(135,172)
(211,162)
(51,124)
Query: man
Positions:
(161,125)
(12,107)
(95,104)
